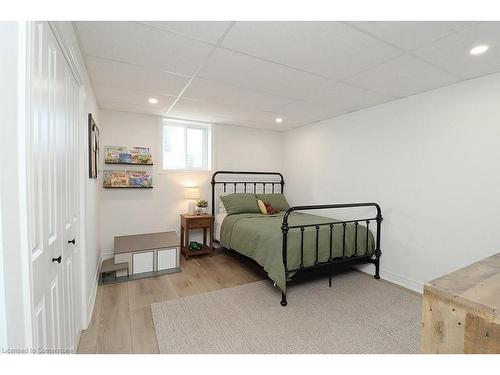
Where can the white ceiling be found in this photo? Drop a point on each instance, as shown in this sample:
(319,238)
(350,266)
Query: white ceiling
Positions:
(250,73)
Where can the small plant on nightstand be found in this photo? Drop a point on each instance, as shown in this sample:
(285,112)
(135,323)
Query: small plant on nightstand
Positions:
(201,207)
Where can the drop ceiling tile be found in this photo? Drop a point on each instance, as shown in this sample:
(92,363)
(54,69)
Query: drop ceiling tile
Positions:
(330,49)
(269,118)
(203,111)
(248,72)
(204,90)
(268,125)
(312,111)
(255,125)
(334,100)
(201,117)
(184,113)
(452,52)
(187,106)
(124,107)
(208,31)
(105,93)
(110,72)
(288,123)
(212,112)
(138,44)
(410,35)
(401,77)
(347,98)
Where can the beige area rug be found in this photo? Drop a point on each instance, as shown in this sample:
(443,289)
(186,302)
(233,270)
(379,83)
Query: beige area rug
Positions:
(357,315)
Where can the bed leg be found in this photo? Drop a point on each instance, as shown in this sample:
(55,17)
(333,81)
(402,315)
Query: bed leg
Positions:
(378,253)
(283,299)
(330,274)
(377,268)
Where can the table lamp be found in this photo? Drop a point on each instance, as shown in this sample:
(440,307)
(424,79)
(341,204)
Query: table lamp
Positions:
(191,194)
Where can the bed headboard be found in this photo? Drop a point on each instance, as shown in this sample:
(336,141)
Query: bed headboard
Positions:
(245,182)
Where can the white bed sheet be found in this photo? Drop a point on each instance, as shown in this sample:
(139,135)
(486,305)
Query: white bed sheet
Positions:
(219,218)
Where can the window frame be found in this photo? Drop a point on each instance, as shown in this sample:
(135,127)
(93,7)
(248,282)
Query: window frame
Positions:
(207,144)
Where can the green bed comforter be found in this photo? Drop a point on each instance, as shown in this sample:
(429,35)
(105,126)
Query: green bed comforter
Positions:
(259,237)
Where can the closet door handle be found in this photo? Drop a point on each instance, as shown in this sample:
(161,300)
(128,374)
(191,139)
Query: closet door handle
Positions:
(58,259)
(72,241)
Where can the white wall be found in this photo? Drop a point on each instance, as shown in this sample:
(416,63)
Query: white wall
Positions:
(91,207)
(128,211)
(430,160)
(246,149)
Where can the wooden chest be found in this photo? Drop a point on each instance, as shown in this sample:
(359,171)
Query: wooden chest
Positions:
(461,311)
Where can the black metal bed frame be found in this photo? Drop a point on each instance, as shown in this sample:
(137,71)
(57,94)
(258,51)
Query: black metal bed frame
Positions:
(332,263)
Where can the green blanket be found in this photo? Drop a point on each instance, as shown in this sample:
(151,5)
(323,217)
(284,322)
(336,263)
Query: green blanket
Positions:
(259,237)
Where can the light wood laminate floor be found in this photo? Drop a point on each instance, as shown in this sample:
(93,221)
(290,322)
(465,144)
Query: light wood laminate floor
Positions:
(121,320)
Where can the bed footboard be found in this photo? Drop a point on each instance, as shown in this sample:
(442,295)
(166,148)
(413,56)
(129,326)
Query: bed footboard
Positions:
(359,256)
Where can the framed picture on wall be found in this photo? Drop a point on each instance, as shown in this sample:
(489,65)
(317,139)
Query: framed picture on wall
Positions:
(93,147)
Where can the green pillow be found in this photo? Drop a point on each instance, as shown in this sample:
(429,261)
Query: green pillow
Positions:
(277,200)
(240,203)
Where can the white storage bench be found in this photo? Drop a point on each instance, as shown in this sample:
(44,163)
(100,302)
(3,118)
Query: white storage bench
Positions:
(150,254)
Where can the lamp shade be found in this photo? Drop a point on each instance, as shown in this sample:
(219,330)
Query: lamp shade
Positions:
(192,193)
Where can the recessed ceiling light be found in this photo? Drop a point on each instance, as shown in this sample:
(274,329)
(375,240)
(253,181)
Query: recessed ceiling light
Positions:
(153,100)
(279,120)
(477,50)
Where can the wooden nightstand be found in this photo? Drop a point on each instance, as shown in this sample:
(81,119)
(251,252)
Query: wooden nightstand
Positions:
(204,222)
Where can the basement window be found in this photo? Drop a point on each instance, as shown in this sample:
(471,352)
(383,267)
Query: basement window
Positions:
(186,145)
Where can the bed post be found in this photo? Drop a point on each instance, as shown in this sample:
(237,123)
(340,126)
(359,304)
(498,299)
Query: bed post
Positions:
(213,194)
(378,253)
(284,230)
(283,298)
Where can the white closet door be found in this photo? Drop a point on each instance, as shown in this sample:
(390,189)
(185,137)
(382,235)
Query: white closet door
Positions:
(52,166)
(70,204)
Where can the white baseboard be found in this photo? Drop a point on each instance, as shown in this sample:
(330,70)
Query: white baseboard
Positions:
(414,285)
(93,294)
(77,342)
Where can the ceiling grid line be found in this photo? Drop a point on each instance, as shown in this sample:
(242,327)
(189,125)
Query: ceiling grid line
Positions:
(180,75)
(221,38)
(137,65)
(410,51)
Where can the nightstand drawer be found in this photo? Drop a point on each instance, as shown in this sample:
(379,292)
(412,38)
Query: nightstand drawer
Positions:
(200,223)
